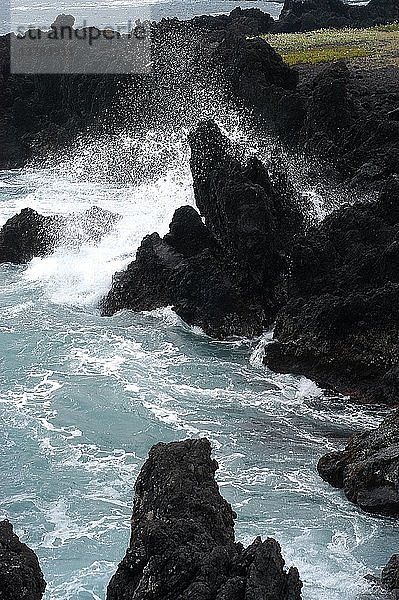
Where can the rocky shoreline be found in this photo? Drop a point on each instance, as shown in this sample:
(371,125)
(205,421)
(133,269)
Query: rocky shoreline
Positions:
(182,537)
(367,469)
(248,257)
(182,543)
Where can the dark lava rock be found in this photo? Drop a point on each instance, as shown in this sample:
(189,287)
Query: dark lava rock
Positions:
(182,538)
(24,236)
(67,21)
(20,575)
(43,112)
(200,287)
(308,15)
(368,472)
(384,11)
(227,275)
(253,66)
(390,576)
(330,110)
(260,80)
(247,21)
(252,215)
(341,323)
(350,121)
(30,234)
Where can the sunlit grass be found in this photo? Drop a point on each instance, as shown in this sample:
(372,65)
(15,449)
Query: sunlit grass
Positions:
(318,55)
(326,45)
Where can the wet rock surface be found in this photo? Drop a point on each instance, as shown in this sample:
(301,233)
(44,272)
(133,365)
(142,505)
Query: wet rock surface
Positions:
(331,117)
(368,472)
(182,537)
(341,324)
(227,275)
(20,575)
(34,123)
(30,234)
(390,576)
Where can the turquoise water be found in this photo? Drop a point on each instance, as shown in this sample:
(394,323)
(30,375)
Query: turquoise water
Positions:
(83,398)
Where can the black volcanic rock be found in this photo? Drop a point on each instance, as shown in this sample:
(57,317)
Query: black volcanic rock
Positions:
(259,79)
(188,235)
(308,15)
(247,21)
(200,287)
(40,113)
(350,121)
(330,110)
(383,11)
(253,66)
(253,218)
(63,20)
(341,323)
(368,472)
(24,236)
(390,576)
(30,234)
(227,275)
(20,575)
(182,538)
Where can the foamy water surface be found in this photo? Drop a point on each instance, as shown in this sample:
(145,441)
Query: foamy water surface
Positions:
(83,398)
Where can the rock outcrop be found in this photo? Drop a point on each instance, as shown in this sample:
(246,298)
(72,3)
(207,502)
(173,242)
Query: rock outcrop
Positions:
(390,576)
(330,111)
(195,280)
(368,471)
(227,275)
(308,15)
(182,538)
(341,323)
(20,575)
(30,234)
(247,21)
(349,121)
(387,585)
(298,15)
(253,213)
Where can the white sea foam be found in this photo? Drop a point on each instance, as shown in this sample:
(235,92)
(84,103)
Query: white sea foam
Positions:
(84,398)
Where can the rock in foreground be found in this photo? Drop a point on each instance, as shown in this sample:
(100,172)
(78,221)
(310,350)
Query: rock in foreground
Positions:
(182,538)
(390,576)
(368,469)
(20,575)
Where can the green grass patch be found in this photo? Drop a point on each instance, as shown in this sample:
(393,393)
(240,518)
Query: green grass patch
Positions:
(312,56)
(378,45)
(391,27)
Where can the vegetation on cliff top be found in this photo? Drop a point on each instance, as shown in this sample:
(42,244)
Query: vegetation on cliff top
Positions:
(374,45)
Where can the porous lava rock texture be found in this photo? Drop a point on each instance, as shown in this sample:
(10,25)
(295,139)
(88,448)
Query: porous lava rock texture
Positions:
(368,472)
(20,575)
(182,543)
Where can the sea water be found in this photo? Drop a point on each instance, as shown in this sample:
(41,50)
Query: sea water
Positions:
(114,13)
(83,398)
